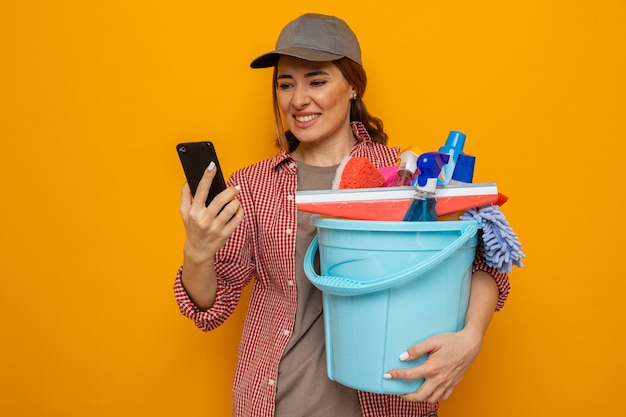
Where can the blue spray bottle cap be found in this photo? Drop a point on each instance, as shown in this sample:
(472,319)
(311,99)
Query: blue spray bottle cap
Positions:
(429,166)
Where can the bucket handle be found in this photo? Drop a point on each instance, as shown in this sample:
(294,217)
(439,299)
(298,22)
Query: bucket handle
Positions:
(347,286)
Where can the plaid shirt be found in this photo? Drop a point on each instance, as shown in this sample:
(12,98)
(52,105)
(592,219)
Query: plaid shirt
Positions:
(264,245)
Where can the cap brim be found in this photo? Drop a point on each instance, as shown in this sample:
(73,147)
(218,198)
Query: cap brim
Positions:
(269,59)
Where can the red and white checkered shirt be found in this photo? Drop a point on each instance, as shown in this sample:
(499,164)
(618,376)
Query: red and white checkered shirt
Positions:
(263,246)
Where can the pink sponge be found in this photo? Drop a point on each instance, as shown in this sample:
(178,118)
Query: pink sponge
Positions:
(357,172)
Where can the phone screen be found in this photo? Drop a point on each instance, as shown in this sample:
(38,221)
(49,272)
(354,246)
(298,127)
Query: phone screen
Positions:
(195,157)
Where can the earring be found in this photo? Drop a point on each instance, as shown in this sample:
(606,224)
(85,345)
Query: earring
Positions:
(354,95)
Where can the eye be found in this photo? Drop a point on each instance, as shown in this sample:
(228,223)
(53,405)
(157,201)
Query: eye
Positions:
(318,83)
(284,86)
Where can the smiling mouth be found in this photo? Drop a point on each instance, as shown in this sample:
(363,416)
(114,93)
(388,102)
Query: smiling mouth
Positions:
(307,118)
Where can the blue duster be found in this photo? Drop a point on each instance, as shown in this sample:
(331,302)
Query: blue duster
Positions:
(498,242)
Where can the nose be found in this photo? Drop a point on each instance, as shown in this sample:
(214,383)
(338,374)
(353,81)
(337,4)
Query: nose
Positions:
(300,97)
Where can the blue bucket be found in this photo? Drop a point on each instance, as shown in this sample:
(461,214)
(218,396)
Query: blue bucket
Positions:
(386,286)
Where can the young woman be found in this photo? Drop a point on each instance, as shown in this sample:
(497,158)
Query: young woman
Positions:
(318,85)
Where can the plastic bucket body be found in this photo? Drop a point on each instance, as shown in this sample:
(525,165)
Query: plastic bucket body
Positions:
(385,287)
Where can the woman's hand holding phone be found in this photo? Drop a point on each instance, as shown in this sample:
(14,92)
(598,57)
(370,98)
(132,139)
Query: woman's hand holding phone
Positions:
(208,227)
(210,210)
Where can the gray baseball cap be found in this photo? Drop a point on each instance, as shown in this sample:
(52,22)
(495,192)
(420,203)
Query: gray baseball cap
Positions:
(313,37)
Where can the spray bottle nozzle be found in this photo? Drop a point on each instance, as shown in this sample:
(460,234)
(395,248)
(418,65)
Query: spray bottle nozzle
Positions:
(422,207)
(429,166)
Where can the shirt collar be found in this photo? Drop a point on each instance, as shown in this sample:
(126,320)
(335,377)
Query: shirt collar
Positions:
(360,132)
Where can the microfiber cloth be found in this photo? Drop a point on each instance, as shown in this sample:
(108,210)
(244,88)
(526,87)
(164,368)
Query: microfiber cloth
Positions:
(498,242)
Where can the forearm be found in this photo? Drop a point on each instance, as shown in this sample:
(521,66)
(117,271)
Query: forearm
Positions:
(482,303)
(200,281)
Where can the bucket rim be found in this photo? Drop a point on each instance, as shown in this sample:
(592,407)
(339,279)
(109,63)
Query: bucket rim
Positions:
(391,226)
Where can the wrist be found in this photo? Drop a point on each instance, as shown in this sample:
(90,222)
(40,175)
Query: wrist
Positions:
(473,333)
(473,338)
(197,256)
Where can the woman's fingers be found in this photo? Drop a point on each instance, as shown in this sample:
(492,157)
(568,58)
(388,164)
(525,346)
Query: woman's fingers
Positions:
(186,199)
(202,192)
(449,355)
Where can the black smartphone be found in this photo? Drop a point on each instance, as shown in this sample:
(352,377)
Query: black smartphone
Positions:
(195,157)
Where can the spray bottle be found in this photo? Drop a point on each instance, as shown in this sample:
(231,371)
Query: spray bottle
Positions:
(463,175)
(406,170)
(422,207)
(453,147)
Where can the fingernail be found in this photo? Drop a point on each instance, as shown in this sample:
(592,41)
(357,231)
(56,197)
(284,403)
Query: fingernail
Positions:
(404,356)
(387,376)
(211,166)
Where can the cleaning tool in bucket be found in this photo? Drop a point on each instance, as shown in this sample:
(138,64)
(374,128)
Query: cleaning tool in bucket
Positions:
(357,172)
(453,148)
(392,203)
(386,286)
(498,242)
(406,170)
(422,207)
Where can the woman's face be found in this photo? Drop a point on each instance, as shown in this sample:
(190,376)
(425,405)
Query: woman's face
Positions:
(314,98)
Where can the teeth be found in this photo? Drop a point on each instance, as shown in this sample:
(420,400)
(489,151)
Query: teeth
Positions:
(306,118)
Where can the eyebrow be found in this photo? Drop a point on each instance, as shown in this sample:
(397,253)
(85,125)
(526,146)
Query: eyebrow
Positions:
(314,73)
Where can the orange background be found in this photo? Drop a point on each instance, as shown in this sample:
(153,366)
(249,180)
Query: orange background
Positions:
(95,95)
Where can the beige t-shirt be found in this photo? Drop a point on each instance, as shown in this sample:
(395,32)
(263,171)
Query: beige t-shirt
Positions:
(303,387)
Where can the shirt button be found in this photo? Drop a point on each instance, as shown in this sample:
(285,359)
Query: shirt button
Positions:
(286,332)
(271,382)
(288,231)
(292,165)
(289,197)
(290,283)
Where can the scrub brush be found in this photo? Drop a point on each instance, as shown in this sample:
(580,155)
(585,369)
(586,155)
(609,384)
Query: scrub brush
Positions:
(498,242)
